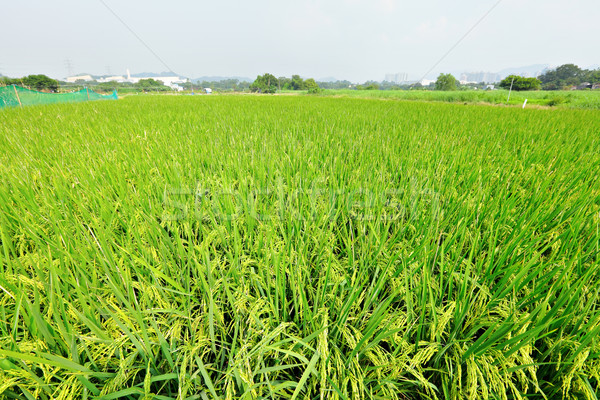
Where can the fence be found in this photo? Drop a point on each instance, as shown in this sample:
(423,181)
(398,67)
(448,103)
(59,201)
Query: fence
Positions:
(16,96)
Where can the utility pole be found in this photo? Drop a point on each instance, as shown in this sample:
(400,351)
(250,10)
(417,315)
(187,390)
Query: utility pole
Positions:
(69,67)
(18,98)
(510,90)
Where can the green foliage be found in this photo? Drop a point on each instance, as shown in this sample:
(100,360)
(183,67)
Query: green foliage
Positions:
(557,100)
(110,86)
(446,82)
(593,76)
(561,77)
(312,86)
(6,81)
(297,83)
(34,82)
(299,247)
(226,85)
(568,75)
(369,85)
(589,99)
(40,82)
(520,83)
(335,85)
(152,84)
(284,83)
(266,83)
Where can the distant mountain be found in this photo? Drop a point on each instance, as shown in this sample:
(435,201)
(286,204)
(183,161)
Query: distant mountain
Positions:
(221,78)
(530,71)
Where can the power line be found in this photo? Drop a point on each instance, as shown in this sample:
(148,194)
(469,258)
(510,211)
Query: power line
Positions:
(136,35)
(69,67)
(462,38)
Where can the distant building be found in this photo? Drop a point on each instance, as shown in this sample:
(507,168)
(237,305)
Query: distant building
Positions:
(171,81)
(585,85)
(476,77)
(426,82)
(400,77)
(73,79)
(208,90)
(116,78)
(596,86)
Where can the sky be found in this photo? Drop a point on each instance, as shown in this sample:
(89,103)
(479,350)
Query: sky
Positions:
(356,40)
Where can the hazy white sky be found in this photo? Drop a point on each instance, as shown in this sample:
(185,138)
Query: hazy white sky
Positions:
(347,39)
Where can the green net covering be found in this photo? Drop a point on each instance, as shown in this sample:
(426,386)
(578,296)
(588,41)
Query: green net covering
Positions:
(15,96)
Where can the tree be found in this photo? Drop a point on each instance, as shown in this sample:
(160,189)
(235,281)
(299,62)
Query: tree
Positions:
(565,75)
(368,85)
(266,83)
(40,82)
(6,81)
(520,83)
(593,76)
(107,86)
(335,85)
(312,86)
(446,82)
(152,84)
(297,83)
(284,83)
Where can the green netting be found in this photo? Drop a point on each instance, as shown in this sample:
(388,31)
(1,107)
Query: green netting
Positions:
(15,96)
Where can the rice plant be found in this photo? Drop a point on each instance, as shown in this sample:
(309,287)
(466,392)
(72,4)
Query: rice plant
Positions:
(244,247)
(575,99)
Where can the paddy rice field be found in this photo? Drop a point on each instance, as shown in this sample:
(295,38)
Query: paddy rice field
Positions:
(298,247)
(572,99)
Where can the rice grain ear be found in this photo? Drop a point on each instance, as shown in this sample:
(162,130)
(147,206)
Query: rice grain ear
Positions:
(345,248)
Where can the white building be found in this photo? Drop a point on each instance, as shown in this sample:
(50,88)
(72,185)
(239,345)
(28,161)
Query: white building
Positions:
(73,79)
(171,81)
(116,78)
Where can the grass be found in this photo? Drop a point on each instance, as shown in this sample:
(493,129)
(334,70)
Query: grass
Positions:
(581,99)
(298,248)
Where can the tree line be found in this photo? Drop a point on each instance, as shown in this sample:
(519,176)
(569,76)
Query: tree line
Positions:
(35,82)
(564,77)
(268,83)
(567,76)
(448,82)
(44,83)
